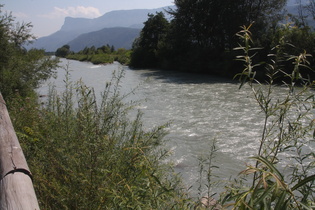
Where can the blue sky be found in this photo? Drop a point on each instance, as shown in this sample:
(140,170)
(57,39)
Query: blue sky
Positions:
(47,16)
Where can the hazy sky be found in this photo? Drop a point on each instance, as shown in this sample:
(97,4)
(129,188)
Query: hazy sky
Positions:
(47,16)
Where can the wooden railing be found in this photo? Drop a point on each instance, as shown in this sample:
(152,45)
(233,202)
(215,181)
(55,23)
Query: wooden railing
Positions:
(16,186)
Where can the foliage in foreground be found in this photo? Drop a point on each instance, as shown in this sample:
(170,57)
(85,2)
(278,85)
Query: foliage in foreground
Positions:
(20,70)
(89,155)
(282,176)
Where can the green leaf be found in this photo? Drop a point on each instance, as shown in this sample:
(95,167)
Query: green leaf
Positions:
(303,182)
(269,165)
(281,203)
(264,195)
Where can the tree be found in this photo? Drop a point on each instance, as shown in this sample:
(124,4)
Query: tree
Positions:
(112,49)
(105,49)
(310,7)
(204,30)
(213,23)
(20,70)
(154,31)
(63,51)
(145,48)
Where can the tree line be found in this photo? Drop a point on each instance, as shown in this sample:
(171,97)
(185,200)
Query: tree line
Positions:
(201,35)
(102,55)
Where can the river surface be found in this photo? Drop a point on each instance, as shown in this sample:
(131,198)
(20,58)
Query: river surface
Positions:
(201,108)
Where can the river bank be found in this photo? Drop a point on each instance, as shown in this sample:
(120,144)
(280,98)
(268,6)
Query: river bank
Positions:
(199,110)
(199,107)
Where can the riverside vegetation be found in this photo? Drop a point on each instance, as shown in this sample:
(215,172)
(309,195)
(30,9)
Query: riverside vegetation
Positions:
(288,132)
(102,55)
(87,153)
(200,36)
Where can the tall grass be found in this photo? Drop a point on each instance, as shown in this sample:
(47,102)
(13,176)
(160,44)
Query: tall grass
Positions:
(86,154)
(282,175)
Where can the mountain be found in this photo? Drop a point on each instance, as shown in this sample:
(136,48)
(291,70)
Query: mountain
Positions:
(74,27)
(54,41)
(119,37)
(119,18)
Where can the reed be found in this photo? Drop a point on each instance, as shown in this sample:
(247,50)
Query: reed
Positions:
(282,174)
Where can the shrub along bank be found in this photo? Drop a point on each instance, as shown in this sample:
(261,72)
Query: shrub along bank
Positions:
(90,155)
(101,55)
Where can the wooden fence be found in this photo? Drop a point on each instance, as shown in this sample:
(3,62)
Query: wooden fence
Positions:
(16,186)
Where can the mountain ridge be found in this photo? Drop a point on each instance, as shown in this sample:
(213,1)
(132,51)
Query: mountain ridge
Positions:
(74,27)
(119,37)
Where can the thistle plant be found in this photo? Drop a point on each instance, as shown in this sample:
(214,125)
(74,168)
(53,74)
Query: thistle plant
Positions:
(282,175)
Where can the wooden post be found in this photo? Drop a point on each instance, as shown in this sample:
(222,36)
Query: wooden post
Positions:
(16,186)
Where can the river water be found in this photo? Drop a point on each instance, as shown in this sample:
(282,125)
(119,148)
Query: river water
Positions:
(201,108)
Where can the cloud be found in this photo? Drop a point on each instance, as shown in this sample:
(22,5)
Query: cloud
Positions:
(19,15)
(79,11)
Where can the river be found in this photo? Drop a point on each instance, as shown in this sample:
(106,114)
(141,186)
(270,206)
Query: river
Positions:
(201,108)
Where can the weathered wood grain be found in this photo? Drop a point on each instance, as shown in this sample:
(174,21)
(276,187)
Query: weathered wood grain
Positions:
(17,192)
(16,187)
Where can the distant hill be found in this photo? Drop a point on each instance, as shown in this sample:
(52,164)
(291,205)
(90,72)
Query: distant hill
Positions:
(74,27)
(54,41)
(119,37)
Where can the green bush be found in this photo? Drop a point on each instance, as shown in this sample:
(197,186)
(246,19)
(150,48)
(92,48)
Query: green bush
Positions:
(102,58)
(20,70)
(78,57)
(103,55)
(87,154)
(123,56)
